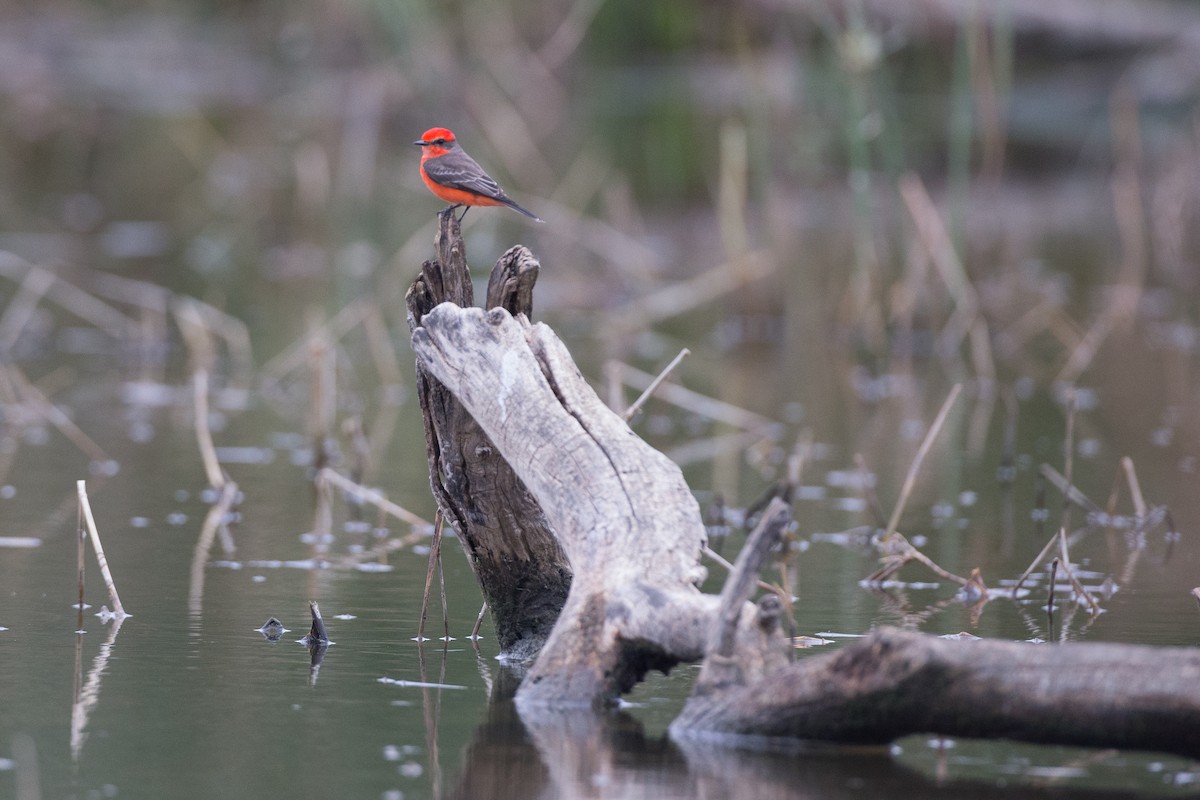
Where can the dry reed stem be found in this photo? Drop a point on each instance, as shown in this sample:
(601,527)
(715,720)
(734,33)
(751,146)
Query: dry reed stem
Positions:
(71,298)
(372,496)
(86,507)
(612,381)
(1034,564)
(1135,489)
(54,415)
(1072,493)
(33,287)
(1068,463)
(706,406)
(728,566)
(474,637)
(732,183)
(208,451)
(1044,316)
(713,447)
(81,542)
(903,552)
(569,34)
(911,478)
(1068,477)
(1076,586)
(679,298)
(298,353)
(649,390)
(1082,356)
(383,352)
(932,233)
(435,556)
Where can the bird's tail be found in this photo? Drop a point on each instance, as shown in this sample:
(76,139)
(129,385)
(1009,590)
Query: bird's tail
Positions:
(524,211)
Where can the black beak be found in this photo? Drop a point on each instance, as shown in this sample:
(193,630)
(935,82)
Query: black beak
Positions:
(420,143)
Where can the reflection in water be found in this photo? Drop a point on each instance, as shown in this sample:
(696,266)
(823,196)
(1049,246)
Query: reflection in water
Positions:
(87,693)
(316,653)
(581,754)
(216,519)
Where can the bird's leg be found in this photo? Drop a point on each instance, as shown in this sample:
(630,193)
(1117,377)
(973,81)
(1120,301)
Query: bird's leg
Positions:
(464,214)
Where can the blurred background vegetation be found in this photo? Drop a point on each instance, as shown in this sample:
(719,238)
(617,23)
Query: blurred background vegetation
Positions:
(757,180)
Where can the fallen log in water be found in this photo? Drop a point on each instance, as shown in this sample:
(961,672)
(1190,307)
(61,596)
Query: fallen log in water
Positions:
(501,395)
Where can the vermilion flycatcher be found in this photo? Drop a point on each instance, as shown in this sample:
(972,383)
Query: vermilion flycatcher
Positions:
(454,176)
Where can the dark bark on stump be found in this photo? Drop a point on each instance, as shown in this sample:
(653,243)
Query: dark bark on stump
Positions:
(521,569)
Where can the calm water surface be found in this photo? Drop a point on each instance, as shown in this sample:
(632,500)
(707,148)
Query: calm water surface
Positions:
(187,699)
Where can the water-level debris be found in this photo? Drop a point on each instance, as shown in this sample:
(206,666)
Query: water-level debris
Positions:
(272,630)
(317,637)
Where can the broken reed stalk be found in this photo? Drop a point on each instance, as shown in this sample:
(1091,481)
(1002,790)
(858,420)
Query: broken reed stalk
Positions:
(1068,476)
(697,403)
(1070,493)
(445,605)
(1068,461)
(474,637)
(56,416)
(86,509)
(1135,489)
(1050,593)
(372,496)
(435,556)
(79,563)
(208,452)
(724,562)
(649,390)
(911,478)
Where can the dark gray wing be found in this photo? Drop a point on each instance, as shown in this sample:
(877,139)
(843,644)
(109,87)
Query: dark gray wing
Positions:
(458,170)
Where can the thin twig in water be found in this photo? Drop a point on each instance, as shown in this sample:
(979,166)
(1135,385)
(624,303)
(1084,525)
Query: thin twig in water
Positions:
(1068,462)
(1053,579)
(55,416)
(445,605)
(911,478)
(478,623)
(724,562)
(1071,493)
(86,506)
(372,496)
(698,403)
(435,554)
(1135,489)
(81,541)
(637,404)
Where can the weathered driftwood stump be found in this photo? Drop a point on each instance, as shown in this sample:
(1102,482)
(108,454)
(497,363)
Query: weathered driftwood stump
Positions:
(502,395)
(522,571)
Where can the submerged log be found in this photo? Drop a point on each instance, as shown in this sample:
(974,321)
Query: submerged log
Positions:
(632,533)
(894,683)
